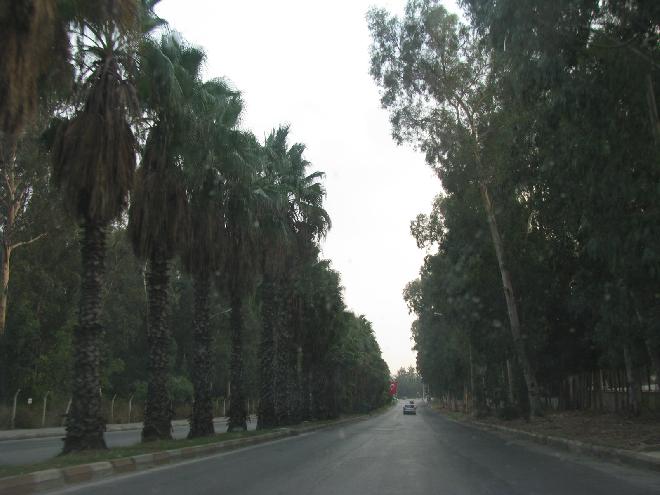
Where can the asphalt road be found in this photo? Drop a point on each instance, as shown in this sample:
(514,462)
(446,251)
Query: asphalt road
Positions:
(28,451)
(388,454)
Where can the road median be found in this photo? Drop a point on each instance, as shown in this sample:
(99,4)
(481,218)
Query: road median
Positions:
(40,480)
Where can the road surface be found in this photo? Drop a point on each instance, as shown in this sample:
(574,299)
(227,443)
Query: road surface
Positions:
(29,451)
(388,454)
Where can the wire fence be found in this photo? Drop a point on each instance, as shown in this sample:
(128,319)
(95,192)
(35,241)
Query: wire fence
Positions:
(50,410)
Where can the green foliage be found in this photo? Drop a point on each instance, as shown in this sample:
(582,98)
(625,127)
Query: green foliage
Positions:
(207,199)
(551,105)
(409,383)
(180,389)
(363,375)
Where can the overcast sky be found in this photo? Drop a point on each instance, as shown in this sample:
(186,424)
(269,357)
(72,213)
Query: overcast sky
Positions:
(306,63)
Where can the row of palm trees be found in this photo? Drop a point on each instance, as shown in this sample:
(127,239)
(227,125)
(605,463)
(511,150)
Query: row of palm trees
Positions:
(138,121)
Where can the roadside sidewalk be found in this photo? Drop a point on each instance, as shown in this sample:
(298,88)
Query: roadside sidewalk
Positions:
(647,460)
(58,431)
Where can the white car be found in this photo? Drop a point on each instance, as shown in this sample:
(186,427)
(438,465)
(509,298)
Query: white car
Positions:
(410,408)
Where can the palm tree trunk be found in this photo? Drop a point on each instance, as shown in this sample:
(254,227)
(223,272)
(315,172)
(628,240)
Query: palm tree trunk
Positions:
(266,414)
(201,422)
(157,414)
(309,394)
(237,414)
(299,402)
(85,424)
(283,377)
(284,371)
(512,307)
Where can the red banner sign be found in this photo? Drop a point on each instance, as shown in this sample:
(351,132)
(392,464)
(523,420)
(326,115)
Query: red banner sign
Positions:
(393,387)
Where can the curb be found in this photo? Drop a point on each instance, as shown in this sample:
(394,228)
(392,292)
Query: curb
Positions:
(51,479)
(628,457)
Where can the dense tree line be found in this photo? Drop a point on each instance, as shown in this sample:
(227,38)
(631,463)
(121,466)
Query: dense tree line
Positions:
(409,383)
(192,248)
(541,120)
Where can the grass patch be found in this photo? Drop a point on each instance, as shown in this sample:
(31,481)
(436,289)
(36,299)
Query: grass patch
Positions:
(118,452)
(382,409)
(457,415)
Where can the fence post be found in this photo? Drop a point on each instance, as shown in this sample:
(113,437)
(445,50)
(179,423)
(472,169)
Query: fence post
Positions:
(112,409)
(130,406)
(43,412)
(13,409)
(614,378)
(66,413)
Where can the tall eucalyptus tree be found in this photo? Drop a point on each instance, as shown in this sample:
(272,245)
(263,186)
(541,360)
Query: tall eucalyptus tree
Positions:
(437,81)
(596,175)
(34,54)
(35,76)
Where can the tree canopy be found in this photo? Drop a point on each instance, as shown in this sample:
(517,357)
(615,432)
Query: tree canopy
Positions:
(172,225)
(540,119)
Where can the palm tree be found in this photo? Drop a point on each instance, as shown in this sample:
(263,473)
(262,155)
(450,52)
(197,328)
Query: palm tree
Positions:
(93,162)
(35,70)
(322,288)
(35,43)
(276,240)
(216,143)
(202,259)
(158,216)
(245,202)
(310,222)
(302,220)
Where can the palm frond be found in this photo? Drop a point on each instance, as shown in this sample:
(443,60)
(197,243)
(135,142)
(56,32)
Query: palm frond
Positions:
(94,152)
(124,14)
(27,32)
(159,214)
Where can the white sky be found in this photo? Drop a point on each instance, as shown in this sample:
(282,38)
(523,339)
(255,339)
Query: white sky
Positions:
(306,63)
